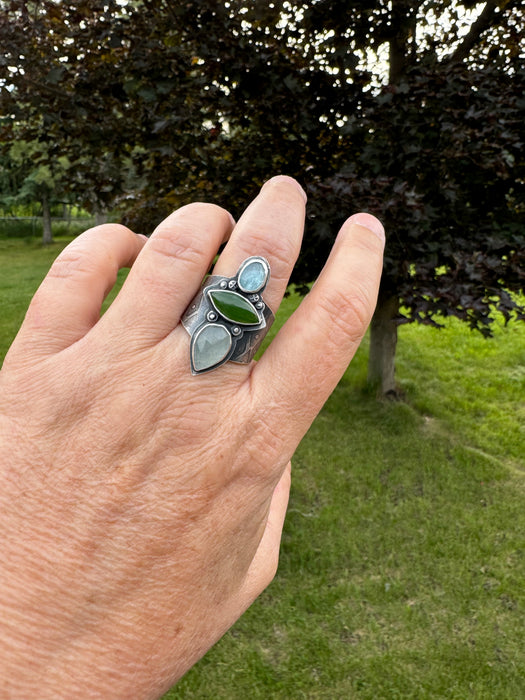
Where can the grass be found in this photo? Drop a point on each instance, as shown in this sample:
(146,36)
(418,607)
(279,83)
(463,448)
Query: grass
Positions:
(23,264)
(403,555)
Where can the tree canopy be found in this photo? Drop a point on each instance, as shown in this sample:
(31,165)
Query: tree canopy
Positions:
(412,110)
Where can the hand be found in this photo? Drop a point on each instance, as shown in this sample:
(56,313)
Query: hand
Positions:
(141,507)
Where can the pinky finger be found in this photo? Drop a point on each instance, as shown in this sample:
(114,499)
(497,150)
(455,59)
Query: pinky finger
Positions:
(68,302)
(312,350)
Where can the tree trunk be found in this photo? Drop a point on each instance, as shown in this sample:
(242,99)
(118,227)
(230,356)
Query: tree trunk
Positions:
(47,236)
(402,23)
(383,328)
(383,341)
(101,217)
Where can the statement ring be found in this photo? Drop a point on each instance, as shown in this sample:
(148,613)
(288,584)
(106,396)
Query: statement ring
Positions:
(228,319)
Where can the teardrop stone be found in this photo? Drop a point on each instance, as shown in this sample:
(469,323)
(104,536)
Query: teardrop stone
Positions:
(234,307)
(253,275)
(210,346)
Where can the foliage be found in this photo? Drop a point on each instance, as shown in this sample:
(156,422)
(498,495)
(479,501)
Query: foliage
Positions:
(27,173)
(413,110)
(56,93)
(442,160)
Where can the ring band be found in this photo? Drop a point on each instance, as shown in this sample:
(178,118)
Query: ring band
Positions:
(228,319)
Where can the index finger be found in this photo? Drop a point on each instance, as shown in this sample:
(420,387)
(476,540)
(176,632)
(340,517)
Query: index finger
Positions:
(315,346)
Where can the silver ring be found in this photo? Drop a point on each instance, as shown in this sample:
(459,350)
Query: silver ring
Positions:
(228,318)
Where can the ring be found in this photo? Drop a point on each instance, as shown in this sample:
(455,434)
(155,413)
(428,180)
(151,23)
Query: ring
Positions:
(228,319)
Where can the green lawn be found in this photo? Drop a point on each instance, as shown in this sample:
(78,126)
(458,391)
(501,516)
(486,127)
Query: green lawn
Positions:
(403,559)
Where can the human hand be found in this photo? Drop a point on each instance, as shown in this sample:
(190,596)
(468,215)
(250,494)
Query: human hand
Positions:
(142,507)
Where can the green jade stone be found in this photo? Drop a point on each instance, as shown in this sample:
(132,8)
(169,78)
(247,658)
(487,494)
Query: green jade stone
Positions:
(234,307)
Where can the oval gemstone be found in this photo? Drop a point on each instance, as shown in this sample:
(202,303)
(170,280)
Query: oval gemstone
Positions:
(210,346)
(253,275)
(234,307)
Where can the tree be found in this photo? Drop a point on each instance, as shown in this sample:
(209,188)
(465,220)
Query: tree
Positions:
(101,78)
(61,87)
(27,177)
(431,141)
(413,110)
(441,158)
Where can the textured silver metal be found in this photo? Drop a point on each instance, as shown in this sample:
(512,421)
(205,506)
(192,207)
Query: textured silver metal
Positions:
(246,339)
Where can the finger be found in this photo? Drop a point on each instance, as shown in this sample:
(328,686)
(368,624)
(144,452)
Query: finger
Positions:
(169,271)
(311,352)
(265,562)
(68,302)
(272,226)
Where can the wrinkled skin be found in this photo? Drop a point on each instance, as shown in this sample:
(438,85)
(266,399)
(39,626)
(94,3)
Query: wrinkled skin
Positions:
(141,507)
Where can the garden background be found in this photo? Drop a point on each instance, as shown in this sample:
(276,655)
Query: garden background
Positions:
(403,553)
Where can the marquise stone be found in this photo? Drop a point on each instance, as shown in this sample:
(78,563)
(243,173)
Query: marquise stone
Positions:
(234,307)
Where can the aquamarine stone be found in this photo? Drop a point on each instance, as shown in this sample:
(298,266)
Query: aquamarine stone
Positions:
(210,346)
(253,275)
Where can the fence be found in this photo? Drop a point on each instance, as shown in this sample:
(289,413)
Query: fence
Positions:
(32,225)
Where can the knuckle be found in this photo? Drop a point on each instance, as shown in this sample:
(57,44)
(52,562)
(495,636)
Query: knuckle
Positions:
(86,253)
(281,251)
(73,261)
(263,444)
(180,243)
(349,314)
(189,234)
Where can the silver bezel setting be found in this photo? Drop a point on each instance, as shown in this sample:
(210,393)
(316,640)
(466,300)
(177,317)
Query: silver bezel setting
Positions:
(246,338)
(249,261)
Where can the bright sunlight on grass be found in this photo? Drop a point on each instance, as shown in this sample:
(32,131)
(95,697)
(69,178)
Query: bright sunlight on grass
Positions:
(403,560)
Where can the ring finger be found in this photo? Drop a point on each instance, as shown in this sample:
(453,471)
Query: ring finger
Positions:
(271,227)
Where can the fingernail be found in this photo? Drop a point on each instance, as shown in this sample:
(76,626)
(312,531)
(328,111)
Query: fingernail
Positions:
(287,178)
(370,222)
(141,235)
